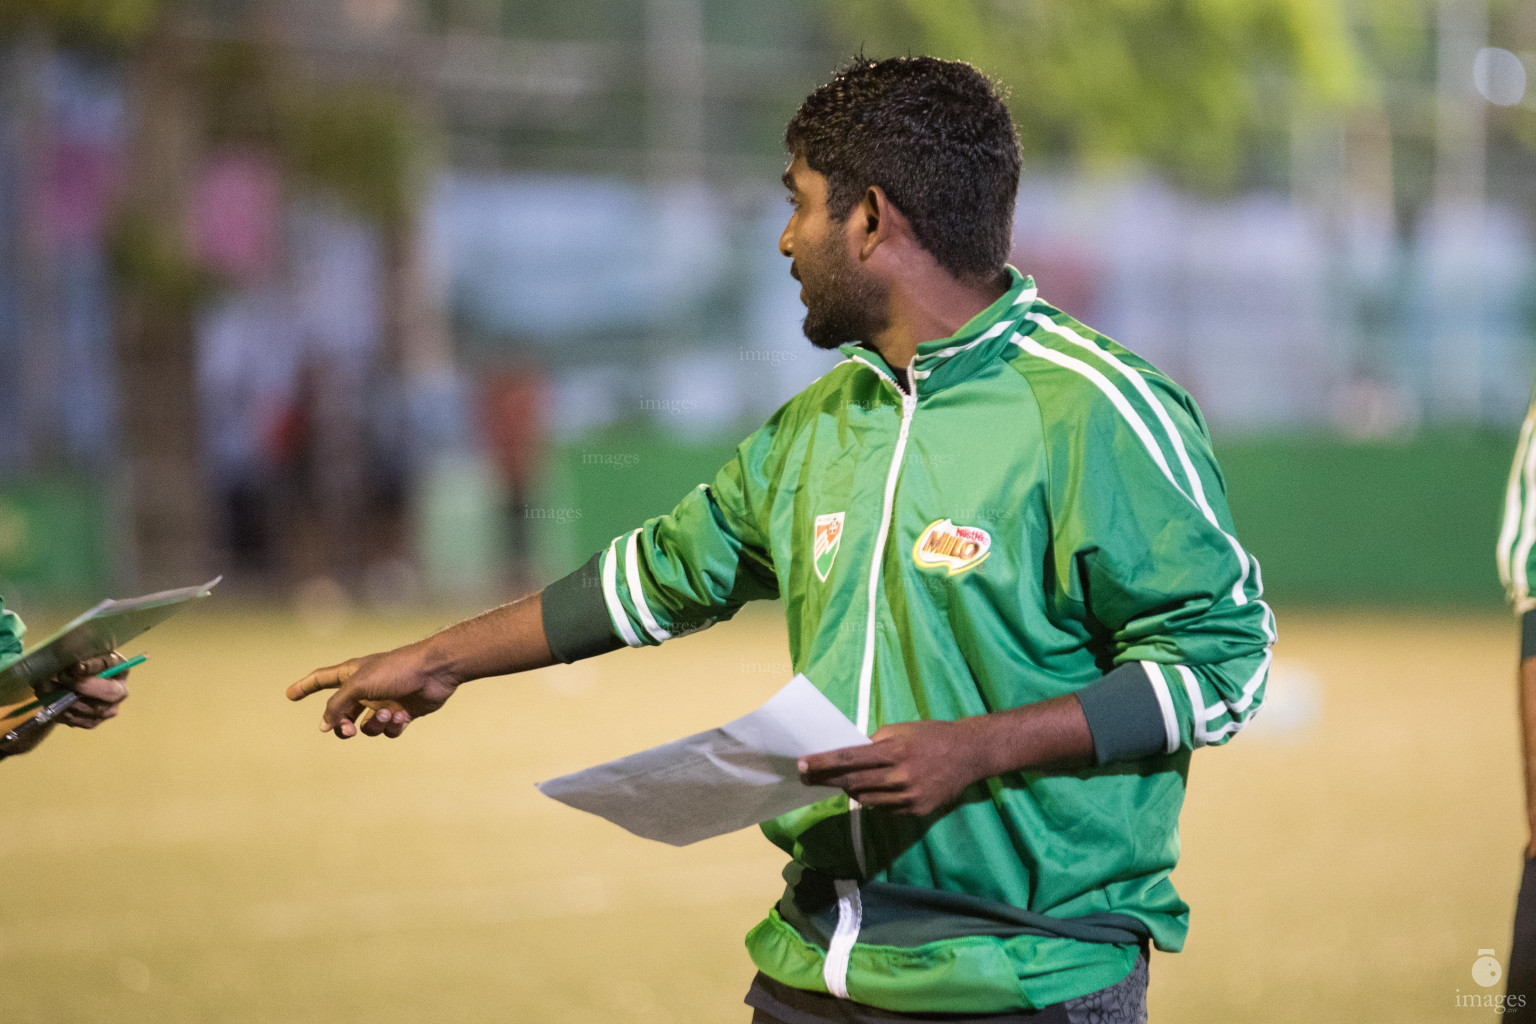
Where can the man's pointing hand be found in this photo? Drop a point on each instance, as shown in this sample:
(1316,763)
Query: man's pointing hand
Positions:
(380,694)
(398,686)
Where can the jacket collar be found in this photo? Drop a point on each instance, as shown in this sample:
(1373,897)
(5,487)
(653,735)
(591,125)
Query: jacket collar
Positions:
(950,360)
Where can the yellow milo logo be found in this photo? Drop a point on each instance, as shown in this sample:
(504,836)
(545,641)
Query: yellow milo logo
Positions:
(943,545)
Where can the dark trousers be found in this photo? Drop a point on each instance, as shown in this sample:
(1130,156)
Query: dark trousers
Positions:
(1520,978)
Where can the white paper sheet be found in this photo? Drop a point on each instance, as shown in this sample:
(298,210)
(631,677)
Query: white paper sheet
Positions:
(717,781)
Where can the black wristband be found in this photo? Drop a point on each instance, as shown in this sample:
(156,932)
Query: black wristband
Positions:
(576,623)
(1528,635)
(1123,715)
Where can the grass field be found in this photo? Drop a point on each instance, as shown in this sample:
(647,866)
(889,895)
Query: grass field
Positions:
(211,856)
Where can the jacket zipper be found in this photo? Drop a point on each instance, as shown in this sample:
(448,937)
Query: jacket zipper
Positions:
(850,911)
(867,667)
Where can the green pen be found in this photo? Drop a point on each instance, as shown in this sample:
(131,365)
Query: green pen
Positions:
(117,670)
(63,701)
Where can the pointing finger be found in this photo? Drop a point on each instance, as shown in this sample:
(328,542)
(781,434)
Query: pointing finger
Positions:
(321,679)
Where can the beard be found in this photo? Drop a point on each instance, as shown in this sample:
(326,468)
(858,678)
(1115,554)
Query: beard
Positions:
(843,303)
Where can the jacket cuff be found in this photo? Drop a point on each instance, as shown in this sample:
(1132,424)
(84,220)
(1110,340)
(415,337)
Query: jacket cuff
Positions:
(1124,716)
(576,623)
(11,632)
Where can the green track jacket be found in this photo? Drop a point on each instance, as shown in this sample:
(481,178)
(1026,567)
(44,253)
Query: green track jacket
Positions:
(1044,516)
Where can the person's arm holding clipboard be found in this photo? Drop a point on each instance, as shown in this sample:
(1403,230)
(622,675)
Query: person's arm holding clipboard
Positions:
(97,698)
(77,676)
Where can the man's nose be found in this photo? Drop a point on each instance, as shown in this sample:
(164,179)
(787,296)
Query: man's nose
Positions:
(786,247)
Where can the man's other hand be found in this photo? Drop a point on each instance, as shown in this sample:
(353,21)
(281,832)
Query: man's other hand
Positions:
(397,686)
(919,767)
(909,768)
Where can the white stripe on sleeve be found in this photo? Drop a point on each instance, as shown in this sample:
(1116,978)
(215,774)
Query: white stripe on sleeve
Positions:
(637,592)
(1138,426)
(1250,689)
(1154,673)
(616,613)
(1175,439)
(1196,705)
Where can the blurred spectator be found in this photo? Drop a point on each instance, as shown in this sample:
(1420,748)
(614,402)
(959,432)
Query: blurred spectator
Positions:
(513,411)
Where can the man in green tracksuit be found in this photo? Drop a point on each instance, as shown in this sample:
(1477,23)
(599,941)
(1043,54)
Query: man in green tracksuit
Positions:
(1003,548)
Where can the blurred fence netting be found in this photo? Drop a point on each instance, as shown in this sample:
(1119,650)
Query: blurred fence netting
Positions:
(390,300)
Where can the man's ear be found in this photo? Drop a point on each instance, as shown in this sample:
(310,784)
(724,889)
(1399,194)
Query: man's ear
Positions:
(872,219)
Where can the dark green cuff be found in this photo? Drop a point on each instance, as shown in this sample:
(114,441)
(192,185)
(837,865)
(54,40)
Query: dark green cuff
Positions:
(1528,635)
(1124,716)
(576,623)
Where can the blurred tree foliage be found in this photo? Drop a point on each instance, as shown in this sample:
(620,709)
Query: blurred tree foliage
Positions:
(97,23)
(1188,85)
(356,143)
(352,140)
(155,261)
(197,90)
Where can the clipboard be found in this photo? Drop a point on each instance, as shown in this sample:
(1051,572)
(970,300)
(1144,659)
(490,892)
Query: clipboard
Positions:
(103,629)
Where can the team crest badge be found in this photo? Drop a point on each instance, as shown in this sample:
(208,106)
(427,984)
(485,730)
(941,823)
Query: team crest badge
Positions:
(943,545)
(829,537)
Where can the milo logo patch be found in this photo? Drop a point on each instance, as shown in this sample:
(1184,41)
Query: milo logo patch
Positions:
(943,545)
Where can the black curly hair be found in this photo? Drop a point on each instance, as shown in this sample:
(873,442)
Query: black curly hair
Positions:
(936,136)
